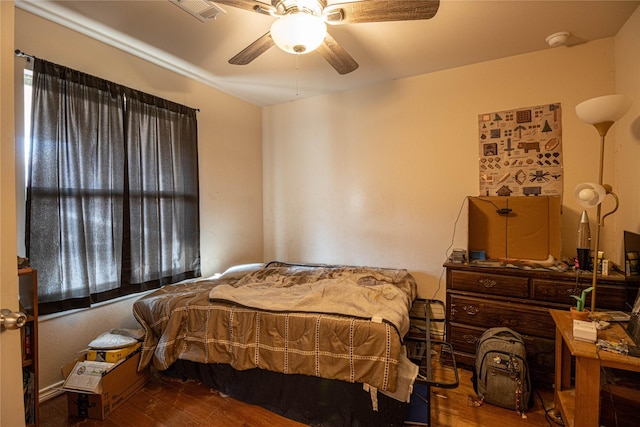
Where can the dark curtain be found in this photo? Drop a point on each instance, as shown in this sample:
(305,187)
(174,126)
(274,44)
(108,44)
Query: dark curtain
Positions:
(163,236)
(112,197)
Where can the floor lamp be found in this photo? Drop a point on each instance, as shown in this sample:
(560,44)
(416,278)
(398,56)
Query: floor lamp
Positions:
(601,112)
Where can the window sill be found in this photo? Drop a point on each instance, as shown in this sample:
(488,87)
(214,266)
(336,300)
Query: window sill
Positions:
(93,306)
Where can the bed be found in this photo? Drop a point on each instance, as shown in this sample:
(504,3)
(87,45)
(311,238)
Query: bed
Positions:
(319,344)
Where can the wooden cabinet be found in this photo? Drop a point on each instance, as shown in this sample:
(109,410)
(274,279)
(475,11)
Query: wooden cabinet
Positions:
(28,294)
(479,298)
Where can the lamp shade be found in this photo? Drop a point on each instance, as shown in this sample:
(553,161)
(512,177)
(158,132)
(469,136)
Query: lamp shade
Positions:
(298,32)
(608,108)
(589,194)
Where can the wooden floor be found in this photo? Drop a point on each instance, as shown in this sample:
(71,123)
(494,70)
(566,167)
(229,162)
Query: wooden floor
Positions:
(172,402)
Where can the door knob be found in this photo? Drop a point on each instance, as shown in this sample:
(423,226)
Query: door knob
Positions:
(11,319)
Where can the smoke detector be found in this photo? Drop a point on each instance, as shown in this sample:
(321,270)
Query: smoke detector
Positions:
(557,39)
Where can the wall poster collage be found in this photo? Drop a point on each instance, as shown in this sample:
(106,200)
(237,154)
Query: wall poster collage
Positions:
(521,152)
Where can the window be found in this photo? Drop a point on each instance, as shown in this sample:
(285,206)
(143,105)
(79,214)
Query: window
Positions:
(28,83)
(112,193)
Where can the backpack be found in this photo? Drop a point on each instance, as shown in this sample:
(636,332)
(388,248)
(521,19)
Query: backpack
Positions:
(501,374)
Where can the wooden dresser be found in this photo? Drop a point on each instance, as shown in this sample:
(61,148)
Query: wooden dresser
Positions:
(479,298)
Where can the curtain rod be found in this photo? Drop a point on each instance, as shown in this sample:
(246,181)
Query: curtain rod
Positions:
(20,53)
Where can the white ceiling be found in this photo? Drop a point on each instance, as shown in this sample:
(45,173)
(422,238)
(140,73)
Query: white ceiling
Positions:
(462,32)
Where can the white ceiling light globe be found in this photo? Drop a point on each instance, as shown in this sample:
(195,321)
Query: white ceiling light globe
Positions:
(298,32)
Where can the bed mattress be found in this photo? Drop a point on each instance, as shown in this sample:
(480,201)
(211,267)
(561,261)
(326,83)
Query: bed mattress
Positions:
(232,321)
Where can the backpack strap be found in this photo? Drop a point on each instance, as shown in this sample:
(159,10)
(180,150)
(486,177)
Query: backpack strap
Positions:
(518,396)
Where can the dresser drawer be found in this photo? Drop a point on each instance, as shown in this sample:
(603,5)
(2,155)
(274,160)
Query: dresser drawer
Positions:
(609,297)
(494,284)
(555,291)
(482,313)
(465,338)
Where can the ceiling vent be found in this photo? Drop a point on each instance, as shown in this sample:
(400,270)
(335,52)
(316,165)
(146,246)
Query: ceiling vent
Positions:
(202,9)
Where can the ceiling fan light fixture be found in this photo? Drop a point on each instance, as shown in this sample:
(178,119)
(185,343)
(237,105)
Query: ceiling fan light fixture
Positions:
(298,32)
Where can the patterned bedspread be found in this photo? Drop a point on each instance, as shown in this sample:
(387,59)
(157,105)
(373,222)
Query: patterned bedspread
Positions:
(341,323)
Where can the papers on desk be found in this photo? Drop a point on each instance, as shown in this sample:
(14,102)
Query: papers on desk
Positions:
(86,376)
(584,331)
(618,316)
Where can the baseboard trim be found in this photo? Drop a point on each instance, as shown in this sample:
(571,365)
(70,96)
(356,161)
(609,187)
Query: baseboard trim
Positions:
(50,392)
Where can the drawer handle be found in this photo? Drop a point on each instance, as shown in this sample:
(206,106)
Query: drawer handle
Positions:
(471,310)
(470,339)
(487,283)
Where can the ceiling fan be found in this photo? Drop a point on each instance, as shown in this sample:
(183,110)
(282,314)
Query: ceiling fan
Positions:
(301,24)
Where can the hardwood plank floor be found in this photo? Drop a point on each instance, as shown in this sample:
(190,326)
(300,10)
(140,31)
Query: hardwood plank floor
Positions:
(169,402)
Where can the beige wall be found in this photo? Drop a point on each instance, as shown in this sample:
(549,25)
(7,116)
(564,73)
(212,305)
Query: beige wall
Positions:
(627,175)
(229,134)
(379,176)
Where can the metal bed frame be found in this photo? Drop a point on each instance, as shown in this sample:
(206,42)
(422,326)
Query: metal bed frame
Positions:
(428,332)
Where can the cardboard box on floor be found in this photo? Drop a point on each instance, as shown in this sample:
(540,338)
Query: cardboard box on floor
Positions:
(117,386)
(531,230)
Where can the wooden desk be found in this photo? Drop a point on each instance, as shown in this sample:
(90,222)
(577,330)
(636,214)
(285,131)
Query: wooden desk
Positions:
(580,406)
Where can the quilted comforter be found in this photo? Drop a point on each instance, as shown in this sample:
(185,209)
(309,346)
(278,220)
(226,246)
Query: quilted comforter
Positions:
(343,323)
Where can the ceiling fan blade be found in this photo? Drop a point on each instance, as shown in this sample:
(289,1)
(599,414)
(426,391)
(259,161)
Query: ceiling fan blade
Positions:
(252,51)
(380,11)
(336,56)
(254,6)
